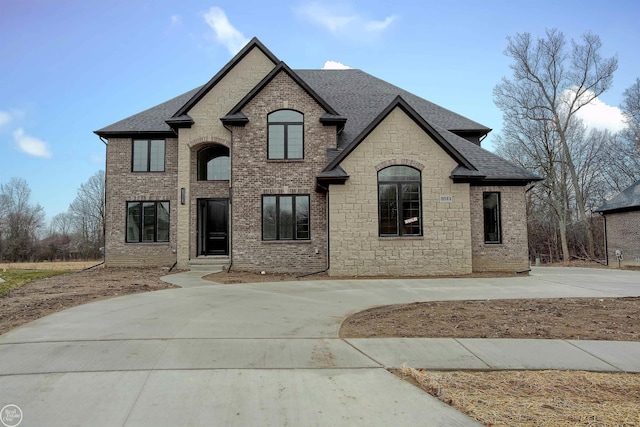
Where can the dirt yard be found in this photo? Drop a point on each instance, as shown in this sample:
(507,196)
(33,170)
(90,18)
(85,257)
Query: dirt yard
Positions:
(615,319)
(46,296)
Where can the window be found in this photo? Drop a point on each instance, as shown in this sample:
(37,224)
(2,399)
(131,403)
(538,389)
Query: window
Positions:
(492,226)
(399,202)
(148,155)
(147,222)
(286,128)
(213,163)
(285,217)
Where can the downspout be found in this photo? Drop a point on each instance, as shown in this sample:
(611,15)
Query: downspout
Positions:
(606,243)
(230,218)
(104,225)
(328,241)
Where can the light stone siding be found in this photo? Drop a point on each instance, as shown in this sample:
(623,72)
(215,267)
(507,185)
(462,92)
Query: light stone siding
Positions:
(357,249)
(623,232)
(122,186)
(512,254)
(253,175)
(208,128)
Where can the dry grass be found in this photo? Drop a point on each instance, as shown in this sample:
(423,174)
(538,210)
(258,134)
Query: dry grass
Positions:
(56,265)
(537,398)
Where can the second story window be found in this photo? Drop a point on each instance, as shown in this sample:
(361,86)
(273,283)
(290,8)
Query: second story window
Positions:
(286,129)
(213,163)
(148,155)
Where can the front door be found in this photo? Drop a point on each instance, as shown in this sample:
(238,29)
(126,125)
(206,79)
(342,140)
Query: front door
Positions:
(213,227)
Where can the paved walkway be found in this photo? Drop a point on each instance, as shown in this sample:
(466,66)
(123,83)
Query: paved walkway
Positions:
(269,353)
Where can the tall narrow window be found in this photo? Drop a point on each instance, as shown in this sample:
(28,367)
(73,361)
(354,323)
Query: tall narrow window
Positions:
(213,163)
(492,225)
(286,130)
(147,222)
(285,217)
(148,155)
(399,205)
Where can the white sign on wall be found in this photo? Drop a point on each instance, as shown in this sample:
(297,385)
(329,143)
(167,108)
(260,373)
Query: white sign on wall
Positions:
(446,198)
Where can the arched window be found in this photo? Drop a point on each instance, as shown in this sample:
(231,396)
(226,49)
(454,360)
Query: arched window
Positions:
(399,205)
(213,163)
(286,130)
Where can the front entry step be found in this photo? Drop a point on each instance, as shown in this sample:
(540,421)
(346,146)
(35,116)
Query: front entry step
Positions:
(209,264)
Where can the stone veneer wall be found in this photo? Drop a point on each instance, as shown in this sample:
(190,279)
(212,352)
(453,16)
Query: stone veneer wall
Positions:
(513,253)
(253,175)
(122,186)
(207,128)
(623,232)
(357,249)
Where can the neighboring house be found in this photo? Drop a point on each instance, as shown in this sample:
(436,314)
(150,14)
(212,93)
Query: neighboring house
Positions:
(622,226)
(305,170)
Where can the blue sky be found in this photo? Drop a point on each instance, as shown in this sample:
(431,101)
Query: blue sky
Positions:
(68,68)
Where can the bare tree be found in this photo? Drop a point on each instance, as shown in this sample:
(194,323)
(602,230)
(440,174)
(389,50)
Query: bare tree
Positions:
(20,221)
(88,213)
(550,84)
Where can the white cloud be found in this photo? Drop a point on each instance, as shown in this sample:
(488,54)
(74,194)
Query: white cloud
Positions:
(380,25)
(343,22)
(226,33)
(31,145)
(5,118)
(599,115)
(334,65)
(176,20)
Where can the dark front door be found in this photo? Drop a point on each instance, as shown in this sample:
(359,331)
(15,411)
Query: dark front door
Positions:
(213,227)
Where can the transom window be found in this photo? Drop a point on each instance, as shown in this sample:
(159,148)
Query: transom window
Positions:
(213,163)
(148,155)
(147,222)
(285,217)
(492,221)
(399,205)
(286,130)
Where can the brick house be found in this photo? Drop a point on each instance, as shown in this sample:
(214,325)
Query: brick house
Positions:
(622,226)
(277,170)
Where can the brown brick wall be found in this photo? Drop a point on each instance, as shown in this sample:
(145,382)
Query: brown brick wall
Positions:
(253,175)
(122,186)
(512,253)
(623,232)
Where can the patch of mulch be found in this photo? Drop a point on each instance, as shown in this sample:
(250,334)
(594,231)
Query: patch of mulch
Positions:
(46,296)
(615,319)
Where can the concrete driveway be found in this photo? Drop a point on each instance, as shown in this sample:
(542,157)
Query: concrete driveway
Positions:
(267,354)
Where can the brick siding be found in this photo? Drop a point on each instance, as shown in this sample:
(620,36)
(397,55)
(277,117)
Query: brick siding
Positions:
(253,175)
(512,253)
(122,186)
(623,232)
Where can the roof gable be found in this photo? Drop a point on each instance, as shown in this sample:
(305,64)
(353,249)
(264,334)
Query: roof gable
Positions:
(253,44)
(329,117)
(399,102)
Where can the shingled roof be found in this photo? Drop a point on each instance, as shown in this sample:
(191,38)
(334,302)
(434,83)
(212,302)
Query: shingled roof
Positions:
(627,200)
(360,98)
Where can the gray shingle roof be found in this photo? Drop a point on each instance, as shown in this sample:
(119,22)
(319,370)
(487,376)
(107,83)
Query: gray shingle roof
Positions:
(150,120)
(360,97)
(627,199)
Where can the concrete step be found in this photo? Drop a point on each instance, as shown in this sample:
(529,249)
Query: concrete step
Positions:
(211,264)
